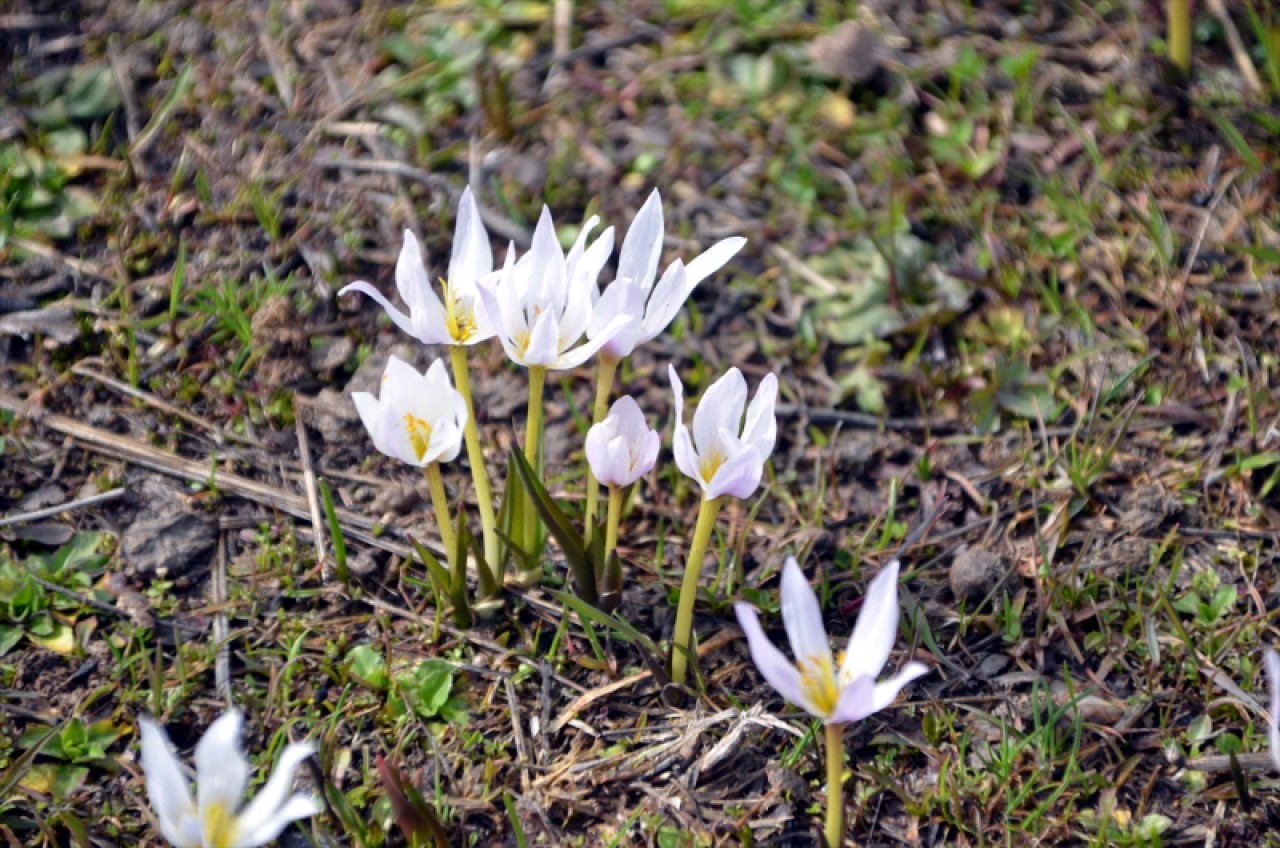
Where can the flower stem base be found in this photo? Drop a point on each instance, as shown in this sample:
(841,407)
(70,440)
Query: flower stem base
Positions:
(708,511)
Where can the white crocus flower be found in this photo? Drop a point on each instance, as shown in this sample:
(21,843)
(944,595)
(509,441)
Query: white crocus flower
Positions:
(648,310)
(457,320)
(214,819)
(621,449)
(542,303)
(1273,677)
(725,454)
(419,418)
(841,691)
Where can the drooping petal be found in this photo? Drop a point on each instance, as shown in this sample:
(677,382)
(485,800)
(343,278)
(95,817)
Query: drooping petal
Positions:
(298,807)
(719,408)
(1272,660)
(472,257)
(738,476)
(761,427)
(774,667)
(273,794)
(802,616)
(642,247)
(404,322)
(877,628)
(166,787)
(221,767)
(713,259)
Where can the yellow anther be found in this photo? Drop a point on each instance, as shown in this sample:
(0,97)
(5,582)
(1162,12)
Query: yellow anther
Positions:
(419,434)
(818,681)
(219,825)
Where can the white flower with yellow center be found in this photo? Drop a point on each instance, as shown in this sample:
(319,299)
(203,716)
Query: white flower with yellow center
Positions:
(458,318)
(841,691)
(542,303)
(726,454)
(214,819)
(647,308)
(418,418)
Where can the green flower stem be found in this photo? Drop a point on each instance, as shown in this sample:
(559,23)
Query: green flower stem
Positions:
(532,444)
(475,456)
(707,514)
(604,387)
(617,494)
(440,502)
(1179,13)
(835,788)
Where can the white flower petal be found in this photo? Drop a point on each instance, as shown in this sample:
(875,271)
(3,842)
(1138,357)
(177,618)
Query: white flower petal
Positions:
(802,616)
(877,628)
(166,787)
(713,259)
(642,248)
(544,342)
(599,438)
(264,807)
(647,457)
(404,322)
(668,296)
(472,256)
(719,408)
(580,354)
(739,476)
(297,807)
(221,767)
(886,692)
(857,701)
(411,270)
(774,667)
(761,427)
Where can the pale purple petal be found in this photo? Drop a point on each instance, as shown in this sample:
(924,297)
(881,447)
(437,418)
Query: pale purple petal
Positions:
(857,701)
(802,617)
(685,455)
(586,350)
(665,302)
(629,419)
(877,628)
(739,476)
(642,247)
(719,408)
(761,427)
(599,439)
(647,457)
(774,667)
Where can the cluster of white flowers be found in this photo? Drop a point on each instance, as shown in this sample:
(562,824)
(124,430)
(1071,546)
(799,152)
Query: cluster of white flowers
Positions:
(548,312)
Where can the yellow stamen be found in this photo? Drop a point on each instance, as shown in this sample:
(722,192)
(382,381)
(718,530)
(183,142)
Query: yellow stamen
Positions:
(419,434)
(219,825)
(711,464)
(818,680)
(459,318)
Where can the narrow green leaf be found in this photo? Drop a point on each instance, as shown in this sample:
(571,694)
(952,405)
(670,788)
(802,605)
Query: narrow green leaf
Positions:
(571,542)
(335,533)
